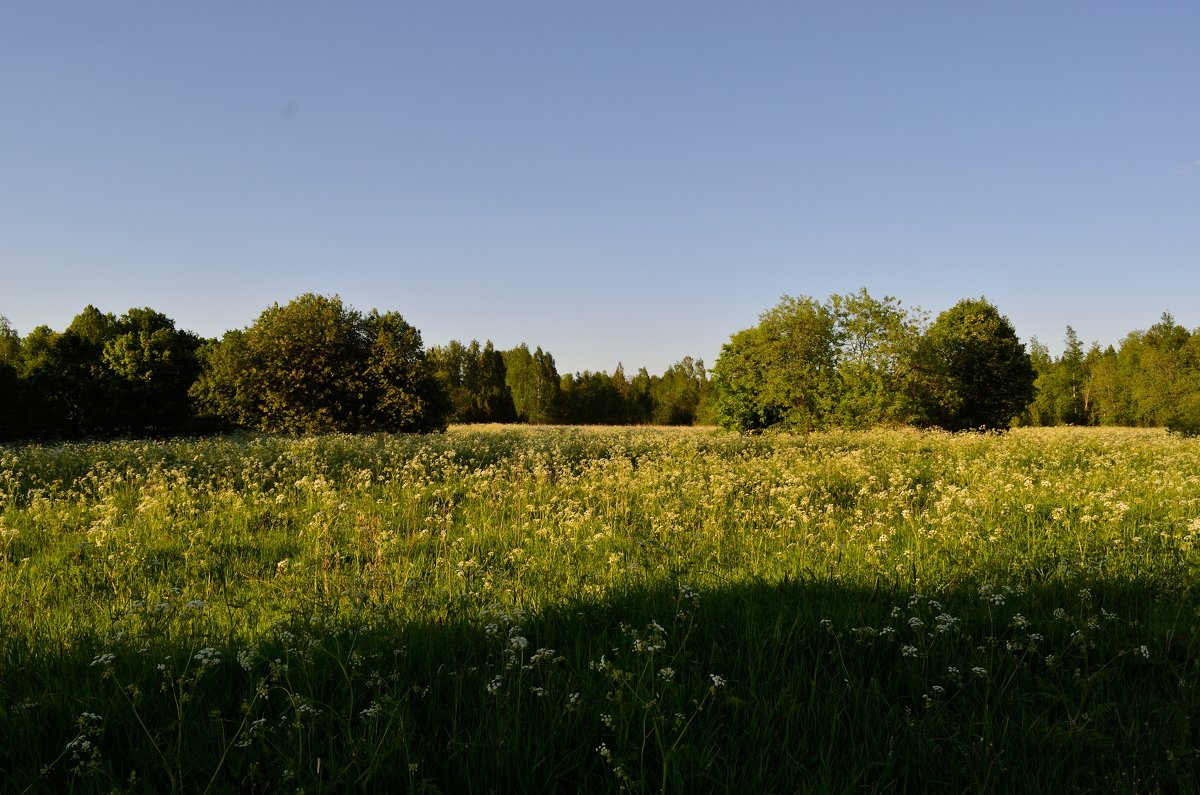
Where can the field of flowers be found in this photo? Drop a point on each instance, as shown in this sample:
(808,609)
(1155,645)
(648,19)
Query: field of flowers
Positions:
(565,609)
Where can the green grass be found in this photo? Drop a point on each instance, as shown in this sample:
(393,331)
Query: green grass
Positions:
(512,610)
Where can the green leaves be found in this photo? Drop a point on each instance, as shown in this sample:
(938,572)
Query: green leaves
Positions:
(315,366)
(977,370)
(856,361)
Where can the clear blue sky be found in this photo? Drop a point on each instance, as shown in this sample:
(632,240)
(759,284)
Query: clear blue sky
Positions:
(613,181)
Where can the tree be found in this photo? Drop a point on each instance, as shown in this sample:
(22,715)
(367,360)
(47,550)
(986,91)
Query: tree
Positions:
(589,398)
(639,403)
(1043,410)
(69,390)
(534,384)
(155,365)
(315,366)
(1106,388)
(780,372)
(976,372)
(11,397)
(474,379)
(873,339)
(1072,375)
(678,393)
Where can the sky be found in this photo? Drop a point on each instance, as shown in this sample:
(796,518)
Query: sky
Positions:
(613,181)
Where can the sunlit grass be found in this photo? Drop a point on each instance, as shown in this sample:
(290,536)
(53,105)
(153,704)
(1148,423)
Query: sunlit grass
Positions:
(595,609)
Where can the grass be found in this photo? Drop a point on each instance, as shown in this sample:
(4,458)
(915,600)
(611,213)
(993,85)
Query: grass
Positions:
(516,609)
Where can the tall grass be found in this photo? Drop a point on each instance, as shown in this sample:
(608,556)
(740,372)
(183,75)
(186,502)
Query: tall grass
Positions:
(496,610)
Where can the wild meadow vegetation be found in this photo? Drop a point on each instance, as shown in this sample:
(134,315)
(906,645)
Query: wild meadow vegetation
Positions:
(553,609)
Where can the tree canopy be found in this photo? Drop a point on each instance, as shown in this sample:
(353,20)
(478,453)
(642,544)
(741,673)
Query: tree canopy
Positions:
(976,372)
(856,361)
(315,365)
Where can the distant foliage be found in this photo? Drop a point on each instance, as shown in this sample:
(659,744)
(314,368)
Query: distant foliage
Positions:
(103,376)
(315,366)
(678,397)
(533,382)
(855,361)
(475,381)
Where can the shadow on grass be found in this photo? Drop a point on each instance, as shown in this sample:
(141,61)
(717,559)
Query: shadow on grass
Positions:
(771,687)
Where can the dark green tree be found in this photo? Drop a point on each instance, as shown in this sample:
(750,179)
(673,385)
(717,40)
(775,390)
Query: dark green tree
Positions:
(1072,375)
(12,403)
(474,379)
(598,398)
(315,366)
(534,384)
(678,393)
(1043,409)
(70,392)
(974,370)
(154,365)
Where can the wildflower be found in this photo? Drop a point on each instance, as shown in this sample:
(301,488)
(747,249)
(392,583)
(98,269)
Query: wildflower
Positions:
(105,659)
(717,681)
(246,657)
(667,674)
(908,651)
(540,655)
(208,658)
(945,621)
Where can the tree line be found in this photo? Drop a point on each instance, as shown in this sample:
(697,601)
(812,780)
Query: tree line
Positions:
(313,365)
(1151,379)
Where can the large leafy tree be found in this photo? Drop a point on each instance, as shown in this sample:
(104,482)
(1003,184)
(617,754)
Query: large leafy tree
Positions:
(315,365)
(780,372)
(874,339)
(106,375)
(154,364)
(1062,396)
(974,370)
(589,398)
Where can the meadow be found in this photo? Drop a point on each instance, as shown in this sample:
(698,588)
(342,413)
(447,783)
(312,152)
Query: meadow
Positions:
(513,609)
